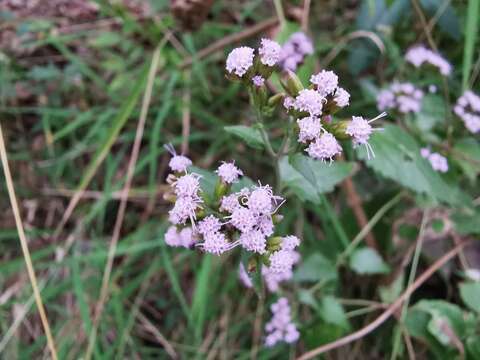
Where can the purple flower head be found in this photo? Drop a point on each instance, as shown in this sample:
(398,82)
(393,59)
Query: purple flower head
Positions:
(425,152)
(280,327)
(210,224)
(187,237)
(240,60)
(467,108)
(360,130)
(281,261)
(178,163)
(419,55)
(258,81)
(254,241)
(439,163)
(295,50)
(243,219)
(228,172)
(309,101)
(290,242)
(310,128)
(243,276)
(342,97)
(183,210)
(270,52)
(171,236)
(229,203)
(325,82)
(261,200)
(187,185)
(404,97)
(215,243)
(265,225)
(324,147)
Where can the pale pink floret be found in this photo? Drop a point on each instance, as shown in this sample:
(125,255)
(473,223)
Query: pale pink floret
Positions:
(228,172)
(419,55)
(290,242)
(270,52)
(243,219)
(240,60)
(254,241)
(324,147)
(309,101)
(310,128)
(280,327)
(261,200)
(295,50)
(281,261)
(229,203)
(187,185)
(425,152)
(325,82)
(171,236)
(404,97)
(188,237)
(467,108)
(210,224)
(183,210)
(265,225)
(342,97)
(215,243)
(258,80)
(439,163)
(360,130)
(243,276)
(179,163)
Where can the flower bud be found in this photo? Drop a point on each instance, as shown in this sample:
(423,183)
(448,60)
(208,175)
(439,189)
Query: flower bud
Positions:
(276,99)
(252,264)
(274,243)
(277,218)
(291,83)
(221,189)
(338,129)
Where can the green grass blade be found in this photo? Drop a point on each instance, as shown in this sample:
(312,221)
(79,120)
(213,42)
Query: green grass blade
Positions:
(471,32)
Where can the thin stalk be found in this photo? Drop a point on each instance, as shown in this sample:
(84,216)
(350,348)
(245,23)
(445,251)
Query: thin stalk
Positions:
(280,12)
(24,245)
(373,221)
(411,278)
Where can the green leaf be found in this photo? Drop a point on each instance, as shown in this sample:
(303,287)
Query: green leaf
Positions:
(470,294)
(106,39)
(208,181)
(250,135)
(397,157)
(390,293)
(467,155)
(332,312)
(315,268)
(367,261)
(431,114)
(467,223)
(308,178)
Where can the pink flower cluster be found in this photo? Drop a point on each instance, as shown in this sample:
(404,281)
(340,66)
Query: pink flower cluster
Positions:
(240,60)
(273,277)
(404,97)
(294,51)
(419,55)
(243,218)
(280,327)
(467,108)
(439,163)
